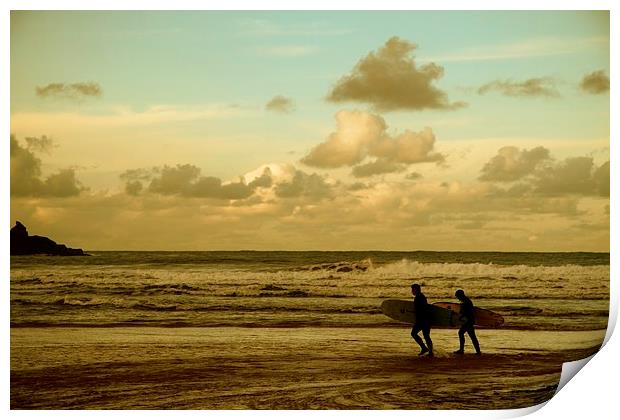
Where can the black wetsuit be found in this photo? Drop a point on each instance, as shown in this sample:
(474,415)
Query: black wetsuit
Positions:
(422,322)
(468,318)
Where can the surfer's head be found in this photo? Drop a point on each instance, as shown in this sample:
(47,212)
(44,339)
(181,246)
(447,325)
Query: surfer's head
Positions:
(460,294)
(415,288)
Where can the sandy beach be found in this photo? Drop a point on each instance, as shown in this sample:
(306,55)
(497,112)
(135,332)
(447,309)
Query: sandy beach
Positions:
(283,368)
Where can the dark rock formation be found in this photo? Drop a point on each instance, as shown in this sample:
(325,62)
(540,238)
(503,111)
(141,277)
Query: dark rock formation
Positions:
(23,244)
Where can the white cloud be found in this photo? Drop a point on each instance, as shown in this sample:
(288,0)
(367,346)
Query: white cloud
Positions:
(347,145)
(280,172)
(359,135)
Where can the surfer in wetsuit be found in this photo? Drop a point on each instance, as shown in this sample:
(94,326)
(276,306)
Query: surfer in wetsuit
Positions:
(422,320)
(467,318)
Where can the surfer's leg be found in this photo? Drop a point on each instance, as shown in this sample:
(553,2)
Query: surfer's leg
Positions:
(461,340)
(427,337)
(414,333)
(474,340)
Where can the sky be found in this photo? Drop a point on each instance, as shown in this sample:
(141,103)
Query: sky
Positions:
(408,130)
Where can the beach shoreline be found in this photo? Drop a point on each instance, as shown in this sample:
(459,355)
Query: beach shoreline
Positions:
(284,368)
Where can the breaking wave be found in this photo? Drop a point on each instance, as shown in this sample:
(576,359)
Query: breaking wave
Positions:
(345,292)
(489,271)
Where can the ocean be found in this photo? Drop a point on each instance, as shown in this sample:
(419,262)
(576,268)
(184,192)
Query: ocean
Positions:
(249,329)
(542,291)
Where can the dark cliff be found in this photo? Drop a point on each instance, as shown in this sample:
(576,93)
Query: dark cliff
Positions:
(24,244)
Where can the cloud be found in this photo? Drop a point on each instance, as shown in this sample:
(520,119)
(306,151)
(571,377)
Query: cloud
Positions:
(112,117)
(577,175)
(414,176)
(281,104)
(511,164)
(62,184)
(457,198)
(26,179)
(540,175)
(359,135)
(409,147)
(601,179)
(348,145)
(595,83)
(177,180)
(133,187)
(357,186)
(25,171)
(389,79)
(277,172)
(75,91)
(140,174)
(538,86)
(185,180)
(39,144)
(304,185)
(310,211)
(377,167)
(265,180)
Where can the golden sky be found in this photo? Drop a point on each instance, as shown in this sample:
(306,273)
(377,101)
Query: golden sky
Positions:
(312,130)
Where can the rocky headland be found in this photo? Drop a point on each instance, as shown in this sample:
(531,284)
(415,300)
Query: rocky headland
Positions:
(24,244)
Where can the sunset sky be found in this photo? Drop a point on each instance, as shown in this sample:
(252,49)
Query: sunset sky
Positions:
(400,130)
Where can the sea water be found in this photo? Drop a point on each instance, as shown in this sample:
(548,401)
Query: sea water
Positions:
(533,291)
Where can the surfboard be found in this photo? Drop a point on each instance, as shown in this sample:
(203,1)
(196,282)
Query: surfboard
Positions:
(484,317)
(402,310)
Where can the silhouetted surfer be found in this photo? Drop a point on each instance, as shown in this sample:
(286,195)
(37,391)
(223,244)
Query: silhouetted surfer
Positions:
(422,320)
(468,319)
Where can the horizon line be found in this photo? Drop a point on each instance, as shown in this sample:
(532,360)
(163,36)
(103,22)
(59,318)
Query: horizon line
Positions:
(351,250)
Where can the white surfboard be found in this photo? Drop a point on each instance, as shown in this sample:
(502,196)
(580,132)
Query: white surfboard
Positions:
(402,310)
(483,317)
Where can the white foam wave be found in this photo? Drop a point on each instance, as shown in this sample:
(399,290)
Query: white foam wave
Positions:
(492,271)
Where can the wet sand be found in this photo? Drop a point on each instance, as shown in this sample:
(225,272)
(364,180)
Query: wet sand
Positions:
(284,368)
